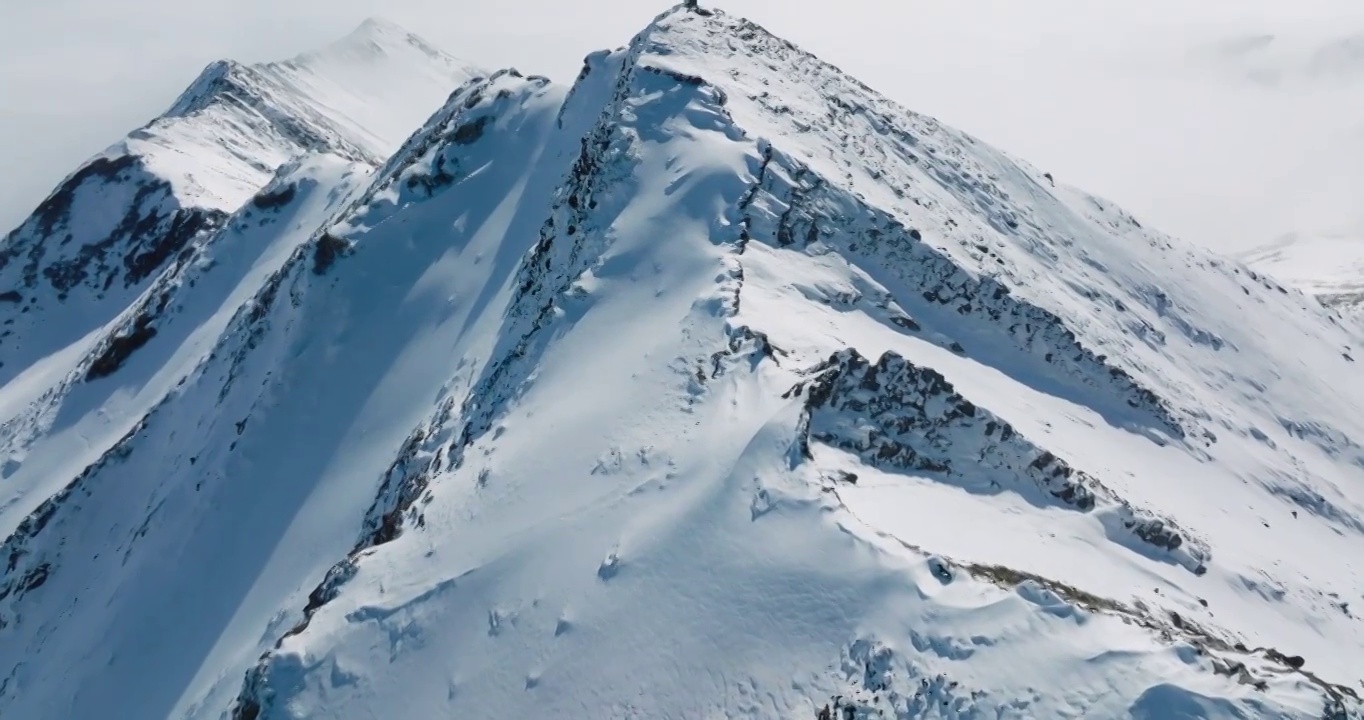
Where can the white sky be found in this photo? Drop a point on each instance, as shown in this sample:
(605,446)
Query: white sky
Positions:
(1144,102)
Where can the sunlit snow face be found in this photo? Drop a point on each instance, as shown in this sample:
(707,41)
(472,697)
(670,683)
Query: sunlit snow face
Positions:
(1230,123)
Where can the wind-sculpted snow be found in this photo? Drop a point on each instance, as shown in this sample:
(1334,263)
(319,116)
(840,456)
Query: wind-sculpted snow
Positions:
(713,386)
(795,207)
(359,97)
(1167,317)
(476,227)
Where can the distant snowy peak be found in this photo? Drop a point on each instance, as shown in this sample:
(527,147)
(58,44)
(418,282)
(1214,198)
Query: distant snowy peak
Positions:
(377,35)
(224,137)
(359,96)
(111,226)
(1329,267)
(213,82)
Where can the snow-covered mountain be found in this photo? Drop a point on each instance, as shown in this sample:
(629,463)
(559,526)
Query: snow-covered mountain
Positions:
(715,385)
(97,241)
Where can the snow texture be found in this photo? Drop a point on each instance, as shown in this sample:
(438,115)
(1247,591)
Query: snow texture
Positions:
(713,386)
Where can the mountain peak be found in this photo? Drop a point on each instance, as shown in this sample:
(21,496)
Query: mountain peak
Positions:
(717,374)
(377,34)
(376,45)
(360,95)
(375,27)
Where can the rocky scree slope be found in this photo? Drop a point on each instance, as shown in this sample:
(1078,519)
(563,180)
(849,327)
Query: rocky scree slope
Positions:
(716,385)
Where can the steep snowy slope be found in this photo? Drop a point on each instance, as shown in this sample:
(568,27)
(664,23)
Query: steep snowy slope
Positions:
(676,502)
(714,386)
(207,190)
(286,390)
(113,225)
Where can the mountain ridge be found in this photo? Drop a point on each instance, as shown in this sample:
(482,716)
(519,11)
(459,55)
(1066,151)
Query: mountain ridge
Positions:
(349,569)
(126,213)
(720,375)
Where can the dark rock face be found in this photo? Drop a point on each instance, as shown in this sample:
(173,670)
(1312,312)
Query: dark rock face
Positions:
(119,347)
(894,414)
(274,199)
(56,208)
(325,252)
(900,417)
(470,132)
(232,84)
(159,248)
(25,249)
(151,227)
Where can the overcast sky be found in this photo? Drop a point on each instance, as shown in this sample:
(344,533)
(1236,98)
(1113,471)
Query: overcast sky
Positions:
(1171,107)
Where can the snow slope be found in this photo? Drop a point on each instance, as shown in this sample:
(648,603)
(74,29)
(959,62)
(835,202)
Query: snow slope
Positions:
(246,165)
(114,224)
(715,385)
